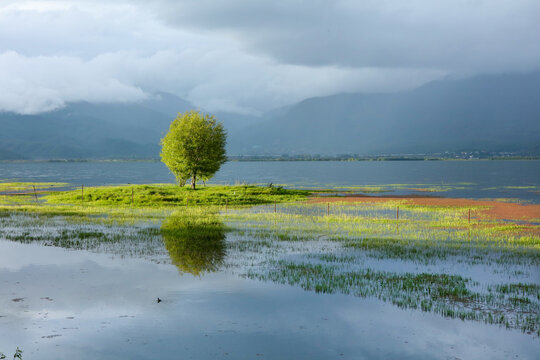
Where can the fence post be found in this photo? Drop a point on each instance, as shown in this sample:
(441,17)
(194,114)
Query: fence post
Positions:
(132,195)
(226,206)
(327,209)
(275,206)
(82,192)
(397,213)
(469,216)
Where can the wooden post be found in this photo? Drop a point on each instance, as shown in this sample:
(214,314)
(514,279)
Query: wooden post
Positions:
(469,216)
(225,206)
(132,195)
(327,209)
(35,194)
(275,206)
(397,213)
(82,192)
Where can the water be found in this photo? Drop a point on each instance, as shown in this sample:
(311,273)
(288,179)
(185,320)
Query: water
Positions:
(58,303)
(77,304)
(471,179)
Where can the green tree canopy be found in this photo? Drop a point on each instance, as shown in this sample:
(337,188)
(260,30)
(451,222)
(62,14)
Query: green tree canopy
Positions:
(194,147)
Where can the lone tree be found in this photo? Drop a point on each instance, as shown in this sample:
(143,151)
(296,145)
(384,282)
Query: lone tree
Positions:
(194,147)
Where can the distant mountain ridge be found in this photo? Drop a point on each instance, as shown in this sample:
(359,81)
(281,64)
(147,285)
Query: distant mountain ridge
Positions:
(86,131)
(494,113)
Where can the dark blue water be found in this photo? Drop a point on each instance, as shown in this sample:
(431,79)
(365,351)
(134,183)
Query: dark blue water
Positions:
(471,179)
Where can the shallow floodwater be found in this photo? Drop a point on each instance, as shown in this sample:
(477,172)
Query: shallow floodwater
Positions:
(471,179)
(58,303)
(62,304)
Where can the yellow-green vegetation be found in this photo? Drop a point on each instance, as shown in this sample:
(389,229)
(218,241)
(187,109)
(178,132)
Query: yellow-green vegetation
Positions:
(10,187)
(420,260)
(19,193)
(422,233)
(160,195)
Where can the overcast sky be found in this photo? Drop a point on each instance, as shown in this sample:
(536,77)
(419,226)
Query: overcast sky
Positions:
(250,56)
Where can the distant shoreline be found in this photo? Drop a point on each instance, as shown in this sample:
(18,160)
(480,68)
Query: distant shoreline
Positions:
(288,159)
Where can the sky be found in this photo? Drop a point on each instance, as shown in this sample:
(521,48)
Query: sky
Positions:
(251,56)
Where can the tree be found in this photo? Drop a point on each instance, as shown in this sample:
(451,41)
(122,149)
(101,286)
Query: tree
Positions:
(194,147)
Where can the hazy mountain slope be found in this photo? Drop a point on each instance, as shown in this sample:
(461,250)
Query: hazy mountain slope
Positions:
(167,104)
(499,113)
(489,112)
(85,130)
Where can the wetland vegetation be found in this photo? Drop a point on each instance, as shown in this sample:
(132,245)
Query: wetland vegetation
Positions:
(449,260)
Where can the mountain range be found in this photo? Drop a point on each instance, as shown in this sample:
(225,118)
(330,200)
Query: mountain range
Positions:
(494,113)
(490,112)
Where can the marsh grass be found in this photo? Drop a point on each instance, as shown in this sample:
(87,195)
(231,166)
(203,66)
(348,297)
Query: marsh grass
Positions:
(448,295)
(437,237)
(422,233)
(18,187)
(17,355)
(269,233)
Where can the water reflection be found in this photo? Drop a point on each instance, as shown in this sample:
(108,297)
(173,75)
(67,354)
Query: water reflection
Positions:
(195,241)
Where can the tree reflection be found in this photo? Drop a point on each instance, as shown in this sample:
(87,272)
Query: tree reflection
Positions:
(195,241)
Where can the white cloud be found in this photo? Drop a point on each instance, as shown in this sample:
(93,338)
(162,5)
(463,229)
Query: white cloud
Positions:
(215,80)
(249,56)
(30,85)
(457,35)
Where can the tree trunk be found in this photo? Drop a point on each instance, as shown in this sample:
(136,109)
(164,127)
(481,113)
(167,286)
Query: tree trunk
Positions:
(193,181)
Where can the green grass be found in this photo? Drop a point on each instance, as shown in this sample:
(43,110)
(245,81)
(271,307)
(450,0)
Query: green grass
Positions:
(172,195)
(10,186)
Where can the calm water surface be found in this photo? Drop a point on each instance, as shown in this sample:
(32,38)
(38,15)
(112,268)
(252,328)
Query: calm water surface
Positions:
(472,179)
(59,303)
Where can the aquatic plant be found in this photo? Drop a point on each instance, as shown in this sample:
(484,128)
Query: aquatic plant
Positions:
(17,355)
(448,295)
